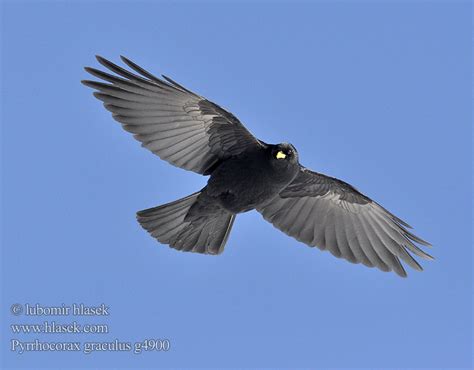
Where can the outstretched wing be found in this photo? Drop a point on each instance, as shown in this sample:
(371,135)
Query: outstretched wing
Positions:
(176,124)
(328,213)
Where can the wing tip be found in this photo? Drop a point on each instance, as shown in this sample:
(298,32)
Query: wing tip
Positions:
(428,257)
(105,62)
(400,271)
(125,59)
(417,239)
(88,83)
(93,71)
(416,266)
(424,242)
(99,95)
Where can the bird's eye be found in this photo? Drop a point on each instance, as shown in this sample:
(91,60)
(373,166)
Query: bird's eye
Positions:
(280,155)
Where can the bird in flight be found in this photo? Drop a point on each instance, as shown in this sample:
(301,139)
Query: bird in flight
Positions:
(245,173)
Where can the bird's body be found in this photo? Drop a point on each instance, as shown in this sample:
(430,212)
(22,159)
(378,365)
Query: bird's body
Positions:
(248,180)
(196,134)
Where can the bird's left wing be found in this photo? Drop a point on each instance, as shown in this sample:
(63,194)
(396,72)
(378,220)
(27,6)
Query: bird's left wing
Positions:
(322,211)
(179,126)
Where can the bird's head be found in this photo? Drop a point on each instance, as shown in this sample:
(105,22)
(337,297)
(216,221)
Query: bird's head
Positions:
(284,153)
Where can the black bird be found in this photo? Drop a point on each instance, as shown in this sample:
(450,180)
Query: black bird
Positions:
(191,132)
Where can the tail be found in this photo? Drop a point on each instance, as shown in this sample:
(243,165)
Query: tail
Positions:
(202,229)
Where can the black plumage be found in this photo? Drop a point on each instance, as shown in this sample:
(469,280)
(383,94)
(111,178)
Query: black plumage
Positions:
(193,133)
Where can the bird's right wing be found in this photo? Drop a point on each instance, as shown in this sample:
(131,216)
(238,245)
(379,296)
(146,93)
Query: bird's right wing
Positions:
(322,211)
(176,124)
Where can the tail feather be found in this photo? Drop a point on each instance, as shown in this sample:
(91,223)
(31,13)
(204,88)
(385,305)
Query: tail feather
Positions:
(206,233)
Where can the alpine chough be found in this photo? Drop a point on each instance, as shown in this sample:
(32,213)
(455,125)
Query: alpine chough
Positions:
(191,132)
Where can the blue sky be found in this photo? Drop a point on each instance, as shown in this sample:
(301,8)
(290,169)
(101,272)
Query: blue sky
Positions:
(378,94)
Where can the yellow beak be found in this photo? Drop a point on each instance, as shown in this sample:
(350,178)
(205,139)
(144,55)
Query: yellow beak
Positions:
(280,155)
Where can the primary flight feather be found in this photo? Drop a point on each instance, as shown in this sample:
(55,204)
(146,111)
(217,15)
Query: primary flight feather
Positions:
(193,133)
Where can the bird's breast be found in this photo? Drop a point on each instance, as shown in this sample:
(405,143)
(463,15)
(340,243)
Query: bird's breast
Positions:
(240,185)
